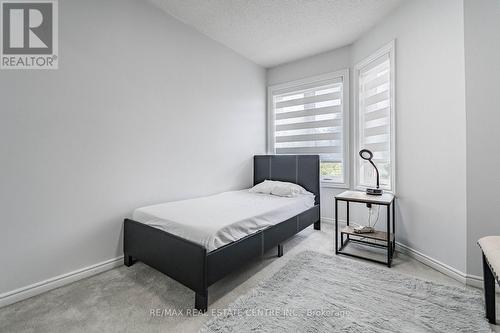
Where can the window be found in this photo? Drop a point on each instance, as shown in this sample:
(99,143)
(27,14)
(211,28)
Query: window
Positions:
(374,117)
(310,116)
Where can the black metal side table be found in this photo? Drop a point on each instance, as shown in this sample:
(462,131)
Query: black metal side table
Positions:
(379,239)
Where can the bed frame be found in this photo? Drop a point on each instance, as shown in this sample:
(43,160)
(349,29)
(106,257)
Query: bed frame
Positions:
(190,264)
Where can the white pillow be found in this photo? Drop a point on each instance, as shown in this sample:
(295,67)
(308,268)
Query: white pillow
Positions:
(285,189)
(282,189)
(265,187)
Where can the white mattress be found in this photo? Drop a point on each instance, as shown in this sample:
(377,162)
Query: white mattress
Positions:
(220,219)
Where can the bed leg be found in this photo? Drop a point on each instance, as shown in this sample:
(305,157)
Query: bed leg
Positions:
(128,260)
(317,225)
(280,250)
(201,301)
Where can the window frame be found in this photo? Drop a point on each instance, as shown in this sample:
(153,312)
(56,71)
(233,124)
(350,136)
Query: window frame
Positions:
(390,50)
(317,79)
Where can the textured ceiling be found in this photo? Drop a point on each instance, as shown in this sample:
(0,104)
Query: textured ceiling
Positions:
(272,32)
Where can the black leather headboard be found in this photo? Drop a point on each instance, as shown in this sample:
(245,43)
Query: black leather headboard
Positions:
(299,169)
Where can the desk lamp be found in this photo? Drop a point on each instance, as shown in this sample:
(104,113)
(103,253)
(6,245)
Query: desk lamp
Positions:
(367,155)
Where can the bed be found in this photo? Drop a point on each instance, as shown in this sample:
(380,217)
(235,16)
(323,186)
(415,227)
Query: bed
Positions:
(198,247)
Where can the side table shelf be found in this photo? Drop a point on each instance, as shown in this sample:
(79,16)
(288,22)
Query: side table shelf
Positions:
(377,235)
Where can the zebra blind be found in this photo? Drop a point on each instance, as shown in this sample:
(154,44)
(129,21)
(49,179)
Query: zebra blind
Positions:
(309,120)
(375,119)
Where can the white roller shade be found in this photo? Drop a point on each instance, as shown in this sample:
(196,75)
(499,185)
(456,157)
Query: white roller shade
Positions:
(374,117)
(310,120)
(308,116)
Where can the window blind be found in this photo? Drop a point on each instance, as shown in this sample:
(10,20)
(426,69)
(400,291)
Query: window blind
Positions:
(309,120)
(374,120)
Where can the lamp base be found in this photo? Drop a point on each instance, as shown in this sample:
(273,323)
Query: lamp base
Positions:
(374,191)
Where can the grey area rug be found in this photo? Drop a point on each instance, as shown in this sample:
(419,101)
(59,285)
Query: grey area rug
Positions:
(320,293)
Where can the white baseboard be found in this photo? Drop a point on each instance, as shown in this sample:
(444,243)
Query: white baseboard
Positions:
(474,281)
(331,221)
(328,220)
(477,281)
(23,293)
(433,263)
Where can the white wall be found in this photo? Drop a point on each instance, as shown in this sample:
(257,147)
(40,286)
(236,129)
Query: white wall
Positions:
(482,69)
(142,110)
(330,61)
(430,113)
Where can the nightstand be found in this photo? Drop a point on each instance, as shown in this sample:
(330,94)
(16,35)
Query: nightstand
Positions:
(380,239)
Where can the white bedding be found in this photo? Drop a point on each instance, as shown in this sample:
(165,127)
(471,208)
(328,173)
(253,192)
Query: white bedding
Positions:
(220,219)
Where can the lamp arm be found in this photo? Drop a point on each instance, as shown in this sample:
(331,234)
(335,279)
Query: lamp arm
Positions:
(376,170)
